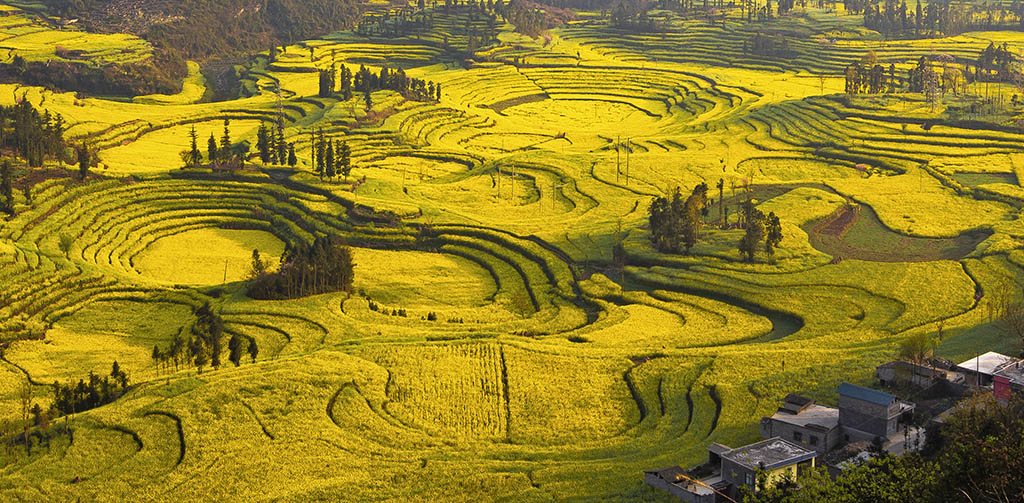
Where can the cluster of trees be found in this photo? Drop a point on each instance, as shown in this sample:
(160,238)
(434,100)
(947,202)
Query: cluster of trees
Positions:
(272,147)
(164,73)
(996,64)
(526,17)
(758,228)
(85,395)
(306,269)
(203,344)
(767,45)
(633,17)
(345,82)
(6,187)
(225,153)
(977,455)
(33,136)
(330,160)
(893,19)
(676,222)
(867,76)
(204,29)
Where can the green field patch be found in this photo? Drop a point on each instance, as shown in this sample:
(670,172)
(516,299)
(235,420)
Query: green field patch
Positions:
(208,256)
(855,232)
(976,179)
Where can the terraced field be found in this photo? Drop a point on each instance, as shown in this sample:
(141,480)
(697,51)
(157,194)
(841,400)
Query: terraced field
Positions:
(492,348)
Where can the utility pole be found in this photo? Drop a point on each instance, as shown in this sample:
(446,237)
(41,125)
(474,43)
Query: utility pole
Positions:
(628,142)
(618,145)
(225,271)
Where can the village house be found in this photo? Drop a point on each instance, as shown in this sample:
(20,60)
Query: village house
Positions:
(806,423)
(795,436)
(981,369)
(1008,380)
(734,468)
(902,373)
(865,413)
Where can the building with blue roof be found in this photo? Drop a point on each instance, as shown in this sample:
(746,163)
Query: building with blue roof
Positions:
(868,411)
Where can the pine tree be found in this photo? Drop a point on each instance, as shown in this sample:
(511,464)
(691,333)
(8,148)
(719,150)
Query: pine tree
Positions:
(773,233)
(263,143)
(211,148)
(754,220)
(329,161)
(225,142)
(235,350)
(194,155)
(282,145)
(346,83)
(320,152)
(345,160)
(83,161)
(292,160)
(368,99)
(253,349)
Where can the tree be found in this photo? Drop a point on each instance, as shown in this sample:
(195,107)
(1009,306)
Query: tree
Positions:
(281,144)
(253,350)
(257,267)
(345,160)
(235,349)
(25,397)
(693,210)
(292,160)
(773,237)
(754,220)
(7,187)
(321,151)
(368,100)
(225,142)
(346,83)
(211,148)
(83,161)
(64,242)
(263,143)
(329,161)
(1009,309)
(721,199)
(194,156)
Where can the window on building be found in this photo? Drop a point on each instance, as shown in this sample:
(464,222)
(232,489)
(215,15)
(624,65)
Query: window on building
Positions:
(797,436)
(750,480)
(814,440)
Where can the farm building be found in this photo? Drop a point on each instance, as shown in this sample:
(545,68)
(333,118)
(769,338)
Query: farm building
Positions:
(901,373)
(804,422)
(863,414)
(732,468)
(867,412)
(1008,380)
(980,369)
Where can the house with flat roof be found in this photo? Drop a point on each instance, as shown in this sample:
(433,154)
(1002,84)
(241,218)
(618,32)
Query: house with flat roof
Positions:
(732,468)
(866,413)
(980,369)
(804,423)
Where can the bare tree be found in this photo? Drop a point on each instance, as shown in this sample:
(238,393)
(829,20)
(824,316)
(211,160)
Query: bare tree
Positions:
(25,396)
(1008,305)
